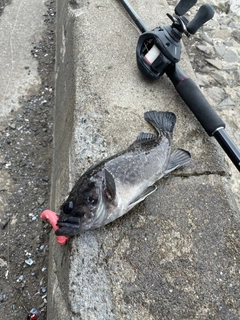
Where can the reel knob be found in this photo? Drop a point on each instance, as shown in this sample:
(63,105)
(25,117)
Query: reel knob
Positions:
(183,6)
(205,13)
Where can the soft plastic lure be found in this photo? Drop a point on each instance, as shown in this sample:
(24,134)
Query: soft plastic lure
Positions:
(52,217)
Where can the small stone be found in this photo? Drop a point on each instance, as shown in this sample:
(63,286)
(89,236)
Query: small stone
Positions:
(3,263)
(231,56)
(2,160)
(230,68)
(206,69)
(236,74)
(41,201)
(219,78)
(216,94)
(220,50)
(206,49)
(236,35)
(12,126)
(4,223)
(229,43)
(20,279)
(29,261)
(202,81)
(226,102)
(223,6)
(206,38)
(208,28)
(232,25)
(4,295)
(234,7)
(216,63)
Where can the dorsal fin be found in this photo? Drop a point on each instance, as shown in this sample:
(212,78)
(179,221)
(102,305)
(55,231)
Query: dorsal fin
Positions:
(141,138)
(145,136)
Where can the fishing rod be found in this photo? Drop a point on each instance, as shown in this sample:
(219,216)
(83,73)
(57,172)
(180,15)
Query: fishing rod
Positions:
(158,53)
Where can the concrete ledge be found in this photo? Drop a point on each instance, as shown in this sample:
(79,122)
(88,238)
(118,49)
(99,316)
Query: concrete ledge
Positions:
(173,256)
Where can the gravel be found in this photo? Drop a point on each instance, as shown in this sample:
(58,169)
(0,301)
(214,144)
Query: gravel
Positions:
(26,142)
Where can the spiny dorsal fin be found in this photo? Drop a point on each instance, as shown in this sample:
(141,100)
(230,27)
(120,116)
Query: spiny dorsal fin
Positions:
(145,136)
(142,137)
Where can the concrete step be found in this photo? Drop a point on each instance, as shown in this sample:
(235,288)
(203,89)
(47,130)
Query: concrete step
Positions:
(173,255)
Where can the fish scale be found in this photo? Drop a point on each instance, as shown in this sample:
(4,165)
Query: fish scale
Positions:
(135,166)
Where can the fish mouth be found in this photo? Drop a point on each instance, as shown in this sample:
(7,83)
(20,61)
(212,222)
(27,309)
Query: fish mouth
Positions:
(68,226)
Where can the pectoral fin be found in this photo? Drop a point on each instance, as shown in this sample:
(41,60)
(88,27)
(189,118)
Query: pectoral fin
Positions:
(110,186)
(142,196)
(177,159)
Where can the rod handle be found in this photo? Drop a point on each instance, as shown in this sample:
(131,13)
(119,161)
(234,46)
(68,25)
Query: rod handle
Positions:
(195,100)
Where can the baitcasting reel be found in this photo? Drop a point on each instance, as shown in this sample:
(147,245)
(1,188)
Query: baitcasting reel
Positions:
(159,48)
(159,51)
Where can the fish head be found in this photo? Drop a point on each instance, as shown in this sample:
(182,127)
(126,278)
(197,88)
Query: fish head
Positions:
(77,213)
(86,205)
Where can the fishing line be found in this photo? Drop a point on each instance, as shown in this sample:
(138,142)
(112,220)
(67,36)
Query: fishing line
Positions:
(129,21)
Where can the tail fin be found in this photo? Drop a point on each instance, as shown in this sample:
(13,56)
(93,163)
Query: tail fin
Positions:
(161,120)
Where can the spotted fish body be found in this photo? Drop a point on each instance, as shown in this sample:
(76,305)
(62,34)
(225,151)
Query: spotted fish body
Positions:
(114,186)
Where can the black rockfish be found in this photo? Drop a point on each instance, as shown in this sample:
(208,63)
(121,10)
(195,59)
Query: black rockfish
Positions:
(111,188)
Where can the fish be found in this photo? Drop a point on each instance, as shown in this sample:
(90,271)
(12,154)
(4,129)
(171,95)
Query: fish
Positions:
(113,186)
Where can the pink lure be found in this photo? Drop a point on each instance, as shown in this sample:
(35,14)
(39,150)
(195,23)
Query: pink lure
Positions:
(53,219)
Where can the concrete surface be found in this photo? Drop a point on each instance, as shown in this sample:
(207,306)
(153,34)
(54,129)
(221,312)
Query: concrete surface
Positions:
(15,79)
(19,68)
(175,255)
(26,85)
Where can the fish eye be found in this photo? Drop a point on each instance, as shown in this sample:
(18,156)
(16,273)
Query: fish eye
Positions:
(68,207)
(92,200)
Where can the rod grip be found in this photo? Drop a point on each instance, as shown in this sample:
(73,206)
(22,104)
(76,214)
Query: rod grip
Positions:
(198,104)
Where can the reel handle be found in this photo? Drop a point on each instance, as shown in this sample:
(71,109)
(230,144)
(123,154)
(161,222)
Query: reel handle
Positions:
(205,13)
(183,6)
